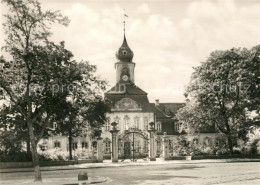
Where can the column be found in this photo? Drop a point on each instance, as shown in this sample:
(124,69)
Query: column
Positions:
(165,146)
(114,133)
(99,150)
(152,148)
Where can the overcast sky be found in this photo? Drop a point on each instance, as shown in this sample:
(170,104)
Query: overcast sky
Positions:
(168,38)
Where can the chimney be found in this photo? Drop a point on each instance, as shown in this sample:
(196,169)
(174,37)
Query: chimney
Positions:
(157,102)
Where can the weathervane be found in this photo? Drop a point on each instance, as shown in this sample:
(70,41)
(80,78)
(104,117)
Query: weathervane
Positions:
(125,15)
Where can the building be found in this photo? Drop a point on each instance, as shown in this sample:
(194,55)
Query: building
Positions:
(132,111)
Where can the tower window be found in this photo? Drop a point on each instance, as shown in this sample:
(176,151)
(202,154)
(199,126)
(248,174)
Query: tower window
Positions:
(125,52)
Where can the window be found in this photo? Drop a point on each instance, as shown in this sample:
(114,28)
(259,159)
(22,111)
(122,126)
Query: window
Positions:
(57,144)
(196,141)
(84,145)
(124,52)
(177,127)
(94,145)
(117,121)
(127,120)
(217,143)
(74,146)
(136,122)
(207,141)
(107,125)
(107,147)
(145,123)
(145,146)
(159,126)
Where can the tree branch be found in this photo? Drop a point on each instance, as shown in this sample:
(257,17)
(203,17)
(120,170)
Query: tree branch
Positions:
(12,98)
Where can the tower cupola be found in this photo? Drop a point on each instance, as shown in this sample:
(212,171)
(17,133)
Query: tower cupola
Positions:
(124,53)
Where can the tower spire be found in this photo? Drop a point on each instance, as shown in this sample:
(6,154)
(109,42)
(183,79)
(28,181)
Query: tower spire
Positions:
(125,15)
(125,54)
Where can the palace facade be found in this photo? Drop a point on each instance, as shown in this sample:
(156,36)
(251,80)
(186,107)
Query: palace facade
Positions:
(134,115)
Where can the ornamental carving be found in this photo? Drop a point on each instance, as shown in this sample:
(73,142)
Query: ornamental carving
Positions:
(126,104)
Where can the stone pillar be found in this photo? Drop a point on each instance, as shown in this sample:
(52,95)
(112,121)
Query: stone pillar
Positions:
(165,146)
(114,133)
(152,148)
(100,150)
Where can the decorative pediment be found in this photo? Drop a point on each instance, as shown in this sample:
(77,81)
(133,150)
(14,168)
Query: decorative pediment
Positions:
(126,104)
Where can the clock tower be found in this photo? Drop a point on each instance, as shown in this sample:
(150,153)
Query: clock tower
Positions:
(124,66)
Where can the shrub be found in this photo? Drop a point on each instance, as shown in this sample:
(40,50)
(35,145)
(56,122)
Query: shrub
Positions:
(254,146)
(82,154)
(19,156)
(258,147)
(55,154)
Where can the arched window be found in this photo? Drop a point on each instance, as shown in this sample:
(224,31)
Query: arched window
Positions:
(127,121)
(145,123)
(136,122)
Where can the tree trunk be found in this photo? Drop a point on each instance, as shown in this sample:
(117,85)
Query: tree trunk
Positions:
(229,137)
(35,158)
(28,147)
(230,143)
(70,146)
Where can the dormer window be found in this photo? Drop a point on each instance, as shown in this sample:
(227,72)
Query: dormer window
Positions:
(124,52)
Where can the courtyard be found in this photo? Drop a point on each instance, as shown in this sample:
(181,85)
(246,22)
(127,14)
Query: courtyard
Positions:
(148,173)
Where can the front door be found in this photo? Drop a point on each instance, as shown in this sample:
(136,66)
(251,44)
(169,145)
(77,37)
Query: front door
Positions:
(127,149)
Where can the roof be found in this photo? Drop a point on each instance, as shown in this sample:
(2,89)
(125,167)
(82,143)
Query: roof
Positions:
(126,88)
(124,44)
(167,110)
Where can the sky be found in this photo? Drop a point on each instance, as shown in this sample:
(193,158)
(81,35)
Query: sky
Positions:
(168,37)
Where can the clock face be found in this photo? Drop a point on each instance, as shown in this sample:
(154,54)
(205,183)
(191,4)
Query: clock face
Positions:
(125,77)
